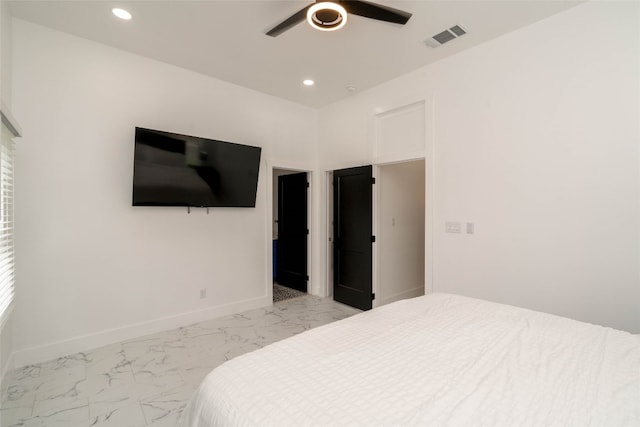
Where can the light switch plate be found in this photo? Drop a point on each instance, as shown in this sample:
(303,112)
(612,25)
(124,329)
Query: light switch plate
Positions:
(470,228)
(452,227)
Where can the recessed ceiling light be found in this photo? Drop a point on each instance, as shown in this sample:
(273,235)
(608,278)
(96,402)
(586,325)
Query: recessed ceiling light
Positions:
(121,13)
(308,82)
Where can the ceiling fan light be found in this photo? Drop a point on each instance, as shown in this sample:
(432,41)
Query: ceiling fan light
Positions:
(318,24)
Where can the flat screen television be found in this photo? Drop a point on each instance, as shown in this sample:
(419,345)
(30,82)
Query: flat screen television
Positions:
(180,170)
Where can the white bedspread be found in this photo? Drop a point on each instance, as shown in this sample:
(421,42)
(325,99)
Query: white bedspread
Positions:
(437,360)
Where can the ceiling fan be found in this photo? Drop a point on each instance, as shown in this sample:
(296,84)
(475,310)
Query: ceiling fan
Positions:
(332,15)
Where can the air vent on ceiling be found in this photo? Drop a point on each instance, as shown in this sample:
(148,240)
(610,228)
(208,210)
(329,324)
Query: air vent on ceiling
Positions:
(446,36)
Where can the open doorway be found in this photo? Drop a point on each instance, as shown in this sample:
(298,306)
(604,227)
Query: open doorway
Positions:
(399,234)
(400,229)
(290,234)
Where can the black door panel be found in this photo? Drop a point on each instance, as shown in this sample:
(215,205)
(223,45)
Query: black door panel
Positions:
(352,204)
(292,231)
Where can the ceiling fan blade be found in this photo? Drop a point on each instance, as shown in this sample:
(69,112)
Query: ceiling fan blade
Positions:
(291,21)
(376,11)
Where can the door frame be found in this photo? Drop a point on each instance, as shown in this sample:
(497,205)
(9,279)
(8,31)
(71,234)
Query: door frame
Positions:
(328,282)
(270,223)
(326,285)
(326,289)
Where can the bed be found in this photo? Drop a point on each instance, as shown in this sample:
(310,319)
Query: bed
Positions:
(436,360)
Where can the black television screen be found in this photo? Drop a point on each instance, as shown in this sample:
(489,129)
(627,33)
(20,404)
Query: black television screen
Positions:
(180,170)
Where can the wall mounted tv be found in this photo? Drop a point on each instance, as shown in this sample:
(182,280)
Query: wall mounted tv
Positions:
(180,170)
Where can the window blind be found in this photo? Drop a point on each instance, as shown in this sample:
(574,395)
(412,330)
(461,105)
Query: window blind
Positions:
(7,273)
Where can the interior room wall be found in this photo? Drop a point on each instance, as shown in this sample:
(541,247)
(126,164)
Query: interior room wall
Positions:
(92,268)
(401,232)
(6,335)
(6,348)
(5,54)
(535,142)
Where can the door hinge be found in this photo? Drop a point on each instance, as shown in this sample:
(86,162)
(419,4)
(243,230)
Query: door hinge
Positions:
(307,231)
(373,179)
(373,239)
(373,296)
(307,184)
(306,278)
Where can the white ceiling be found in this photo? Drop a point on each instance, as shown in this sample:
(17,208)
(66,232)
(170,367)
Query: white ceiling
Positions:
(226,40)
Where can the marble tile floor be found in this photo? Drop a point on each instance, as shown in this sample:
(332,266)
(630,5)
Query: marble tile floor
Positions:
(148,381)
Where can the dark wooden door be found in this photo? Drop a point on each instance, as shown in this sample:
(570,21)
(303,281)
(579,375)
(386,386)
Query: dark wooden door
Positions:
(292,231)
(352,232)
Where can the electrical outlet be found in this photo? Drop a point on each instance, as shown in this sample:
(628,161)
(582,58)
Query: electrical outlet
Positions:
(203,293)
(452,227)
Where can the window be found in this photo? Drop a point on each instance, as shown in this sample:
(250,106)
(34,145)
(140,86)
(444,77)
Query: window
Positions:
(7,275)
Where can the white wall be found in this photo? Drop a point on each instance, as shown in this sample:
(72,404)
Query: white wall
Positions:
(92,268)
(536,141)
(5,54)
(6,348)
(400,238)
(6,336)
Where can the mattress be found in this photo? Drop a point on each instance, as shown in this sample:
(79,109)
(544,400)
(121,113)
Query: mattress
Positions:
(437,360)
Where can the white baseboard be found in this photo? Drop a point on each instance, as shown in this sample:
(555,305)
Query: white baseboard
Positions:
(410,293)
(8,366)
(43,353)
(6,339)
